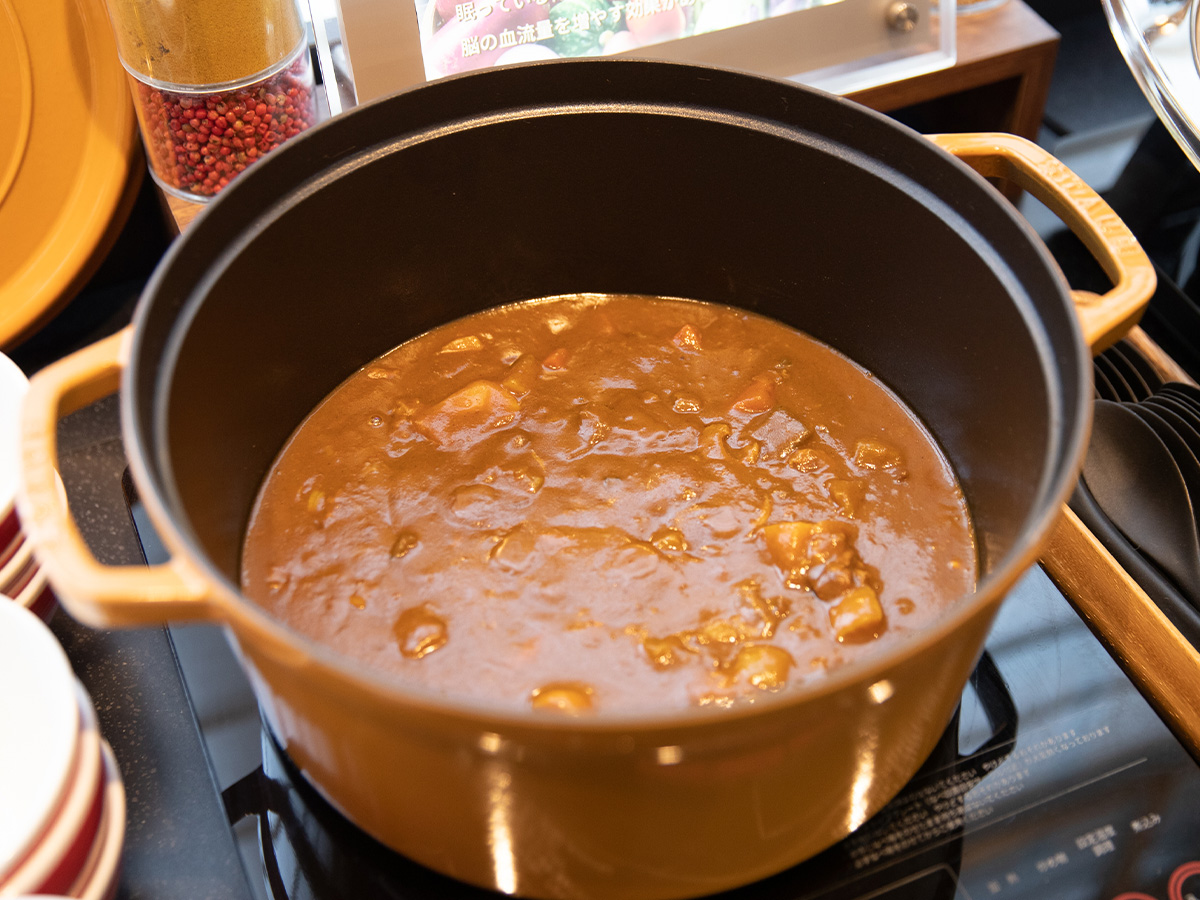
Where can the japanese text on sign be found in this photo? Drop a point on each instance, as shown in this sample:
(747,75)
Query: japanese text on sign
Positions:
(459,35)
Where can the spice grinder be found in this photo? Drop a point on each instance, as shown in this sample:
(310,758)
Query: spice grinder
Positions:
(216,85)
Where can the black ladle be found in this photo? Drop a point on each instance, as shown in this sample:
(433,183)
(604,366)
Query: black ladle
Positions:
(1178,393)
(1132,375)
(1134,479)
(1173,435)
(1183,413)
(1125,391)
(1189,393)
(1105,389)
(1138,362)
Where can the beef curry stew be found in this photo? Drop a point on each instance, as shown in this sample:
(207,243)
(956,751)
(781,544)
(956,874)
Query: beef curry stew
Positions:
(596,502)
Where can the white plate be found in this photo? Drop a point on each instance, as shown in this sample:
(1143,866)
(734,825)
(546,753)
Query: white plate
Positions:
(39,731)
(13,385)
(63,850)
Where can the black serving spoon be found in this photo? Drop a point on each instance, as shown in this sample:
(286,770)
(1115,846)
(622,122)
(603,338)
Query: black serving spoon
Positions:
(1105,390)
(1130,373)
(1124,391)
(1136,482)
(1133,356)
(1172,431)
(1182,411)
(1186,394)
(1189,392)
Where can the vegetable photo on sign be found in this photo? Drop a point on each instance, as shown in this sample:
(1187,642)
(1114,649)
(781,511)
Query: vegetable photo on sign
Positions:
(460,35)
(582,27)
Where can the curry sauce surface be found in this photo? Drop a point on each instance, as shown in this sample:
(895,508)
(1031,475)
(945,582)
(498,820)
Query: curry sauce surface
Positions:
(609,503)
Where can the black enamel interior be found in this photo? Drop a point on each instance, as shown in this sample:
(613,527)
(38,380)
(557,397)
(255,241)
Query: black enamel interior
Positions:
(606,176)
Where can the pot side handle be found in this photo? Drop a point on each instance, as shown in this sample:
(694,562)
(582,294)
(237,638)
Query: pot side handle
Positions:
(99,595)
(1105,318)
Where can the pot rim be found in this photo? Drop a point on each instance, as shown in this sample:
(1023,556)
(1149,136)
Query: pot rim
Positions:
(251,624)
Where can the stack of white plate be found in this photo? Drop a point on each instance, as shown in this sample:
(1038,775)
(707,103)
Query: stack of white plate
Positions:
(21,579)
(62,801)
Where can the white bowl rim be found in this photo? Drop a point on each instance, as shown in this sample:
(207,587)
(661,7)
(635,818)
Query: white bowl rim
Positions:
(71,815)
(39,704)
(22,581)
(99,875)
(33,589)
(14,568)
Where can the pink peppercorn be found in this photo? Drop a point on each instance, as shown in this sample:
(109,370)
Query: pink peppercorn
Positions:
(197,142)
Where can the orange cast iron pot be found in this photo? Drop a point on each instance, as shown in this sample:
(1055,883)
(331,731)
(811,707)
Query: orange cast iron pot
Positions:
(612,176)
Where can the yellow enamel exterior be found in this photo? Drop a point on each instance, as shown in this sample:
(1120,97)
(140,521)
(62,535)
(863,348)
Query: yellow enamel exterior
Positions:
(1104,319)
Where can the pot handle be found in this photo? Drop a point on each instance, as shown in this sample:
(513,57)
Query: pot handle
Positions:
(99,595)
(1105,318)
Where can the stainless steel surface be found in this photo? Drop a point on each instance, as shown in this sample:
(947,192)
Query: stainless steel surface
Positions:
(903,16)
(1158,41)
(1165,25)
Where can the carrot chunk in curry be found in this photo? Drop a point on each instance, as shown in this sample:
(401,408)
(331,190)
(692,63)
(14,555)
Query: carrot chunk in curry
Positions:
(758,396)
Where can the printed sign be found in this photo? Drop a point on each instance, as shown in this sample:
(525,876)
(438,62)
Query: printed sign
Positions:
(460,35)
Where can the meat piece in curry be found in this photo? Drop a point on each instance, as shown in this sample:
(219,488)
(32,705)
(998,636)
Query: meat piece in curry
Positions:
(609,503)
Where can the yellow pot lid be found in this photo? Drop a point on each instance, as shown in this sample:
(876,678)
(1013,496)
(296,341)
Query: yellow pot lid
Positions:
(69,157)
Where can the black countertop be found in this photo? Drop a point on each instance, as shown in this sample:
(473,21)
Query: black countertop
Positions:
(178,843)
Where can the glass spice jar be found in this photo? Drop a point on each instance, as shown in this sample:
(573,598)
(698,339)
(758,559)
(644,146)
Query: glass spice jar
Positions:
(216,84)
(197,141)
